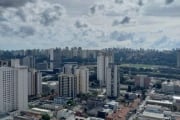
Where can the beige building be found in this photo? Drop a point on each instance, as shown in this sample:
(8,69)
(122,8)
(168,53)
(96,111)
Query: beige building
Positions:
(82,75)
(142,81)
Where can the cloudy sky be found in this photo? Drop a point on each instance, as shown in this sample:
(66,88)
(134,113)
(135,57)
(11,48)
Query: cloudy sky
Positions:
(89,23)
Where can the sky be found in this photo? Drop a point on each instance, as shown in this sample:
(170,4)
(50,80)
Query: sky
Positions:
(91,24)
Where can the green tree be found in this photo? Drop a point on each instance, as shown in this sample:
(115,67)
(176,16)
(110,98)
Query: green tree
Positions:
(174,108)
(143,93)
(45,117)
(70,103)
(129,88)
(158,85)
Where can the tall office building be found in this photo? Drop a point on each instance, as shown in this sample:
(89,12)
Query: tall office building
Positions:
(67,85)
(66,53)
(51,57)
(42,65)
(103,61)
(29,61)
(74,52)
(69,68)
(84,54)
(112,86)
(55,56)
(82,75)
(15,62)
(34,83)
(178,58)
(13,88)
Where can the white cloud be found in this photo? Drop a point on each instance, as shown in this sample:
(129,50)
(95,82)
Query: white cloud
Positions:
(108,23)
(162,8)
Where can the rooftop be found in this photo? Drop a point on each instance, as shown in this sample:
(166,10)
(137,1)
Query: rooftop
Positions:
(41,110)
(153,115)
(176,97)
(165,102)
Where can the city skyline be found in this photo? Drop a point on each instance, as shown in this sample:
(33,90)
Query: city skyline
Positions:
(89,60)
(91,24)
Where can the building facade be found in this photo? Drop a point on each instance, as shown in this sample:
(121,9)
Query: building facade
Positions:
(34,83)
(142,81)
(103,60)
(178,58)
(29,61)
(112,87)
(14,88)
(67,85)
(82,75)
(55,57)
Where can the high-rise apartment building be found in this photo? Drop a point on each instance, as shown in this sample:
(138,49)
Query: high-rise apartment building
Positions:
(74,52)
(66,53)
(112,85)
(55,56)
(73,80)
(84,54)
(15,63)
(67,85)
(13,88)
(82,75)
(178,58)
(34,83)
(42,65)
(103,61)
(29,61)
(8,99)
(22,87)
(69,68)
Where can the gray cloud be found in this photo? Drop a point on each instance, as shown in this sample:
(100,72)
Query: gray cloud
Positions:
(79,24)
(140,2)
(119,1)
(25,31)
(121,36)
(93,10)
(50,15)
(162,8)
(97,8)
(114,8)
(20,13)
(125,20)
(22,31)
(169,1)
(2,19)
(13,3)
(75,7)
(163,11)
(5,30)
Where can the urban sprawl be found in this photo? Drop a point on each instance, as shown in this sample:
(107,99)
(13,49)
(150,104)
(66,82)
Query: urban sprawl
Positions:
(81,84)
